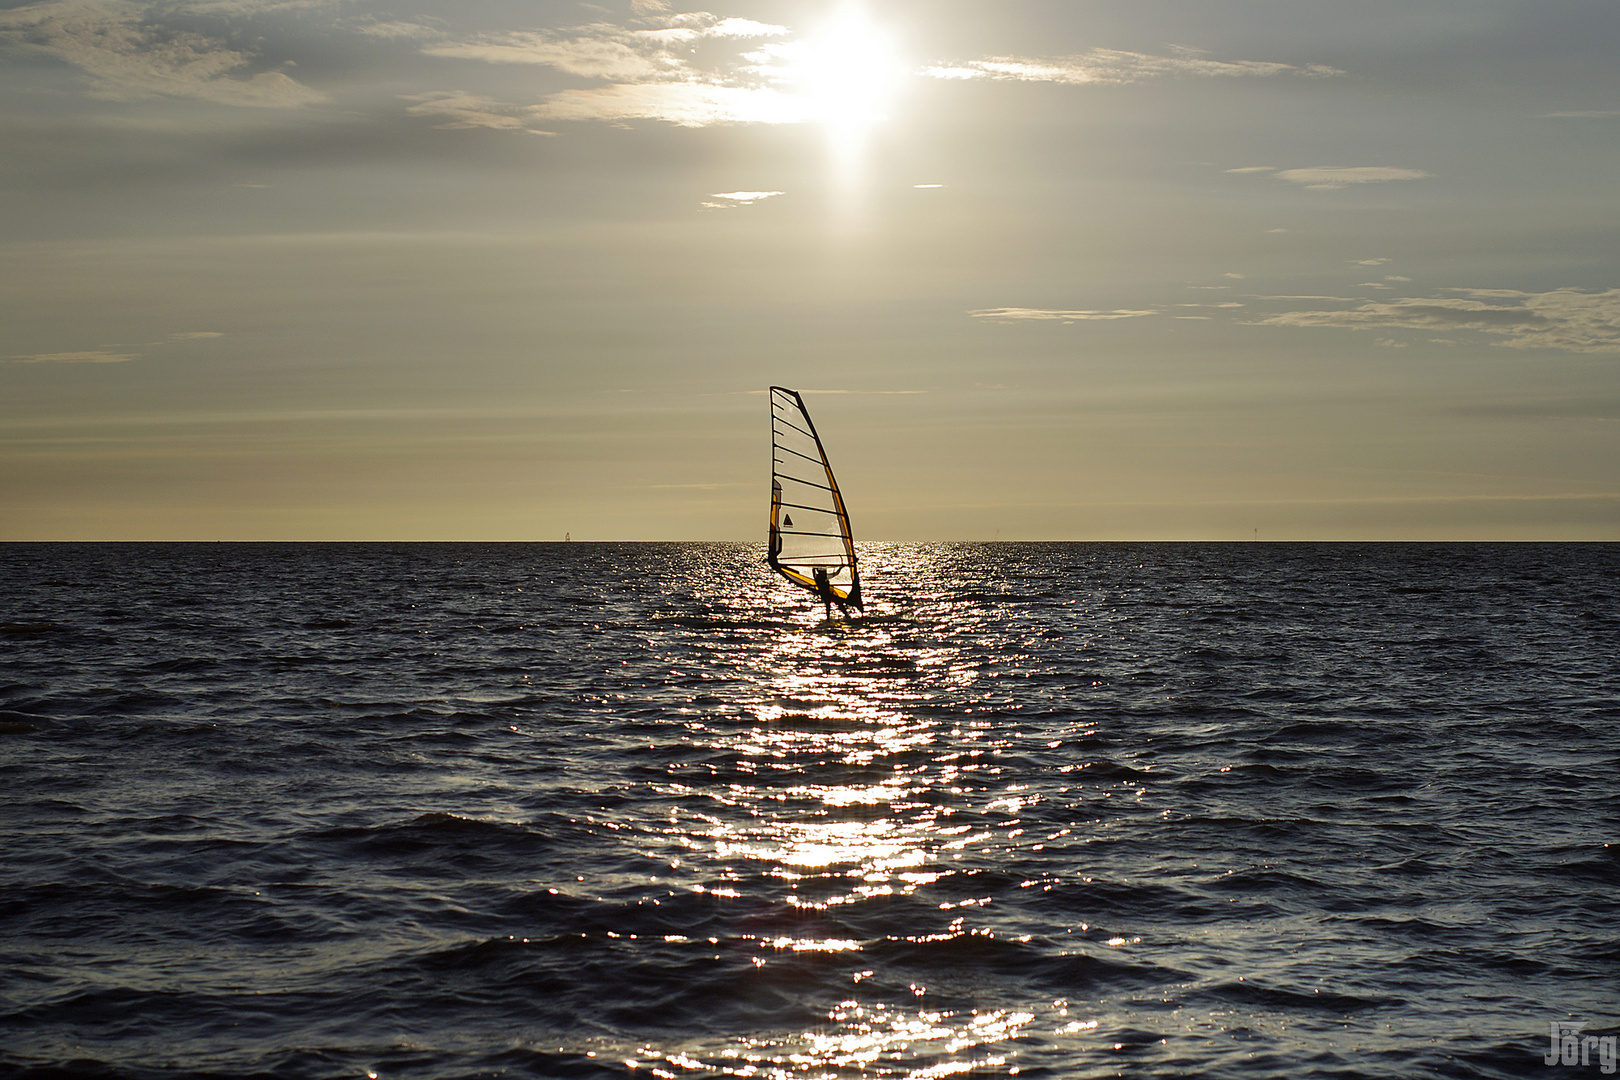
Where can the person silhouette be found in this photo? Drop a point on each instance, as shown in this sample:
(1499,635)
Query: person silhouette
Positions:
(825,591)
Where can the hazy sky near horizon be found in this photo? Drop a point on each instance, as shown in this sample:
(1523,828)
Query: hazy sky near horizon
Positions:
(1045,269)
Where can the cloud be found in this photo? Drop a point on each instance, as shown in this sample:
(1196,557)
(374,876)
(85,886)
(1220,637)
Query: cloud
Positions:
(130,52)
(682,104)
(395,30)
(1569,320)
(1330,177)
(745,28)
(1114,67)
(609,51)
(602,54)
(650,70)
(1014,314)
(1333,177)
(246,7)
(92,357)
(733,199)
(1595,408)
(457,110)
(115,354)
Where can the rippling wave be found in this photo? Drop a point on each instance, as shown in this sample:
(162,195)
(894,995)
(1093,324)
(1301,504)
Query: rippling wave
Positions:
(636,810)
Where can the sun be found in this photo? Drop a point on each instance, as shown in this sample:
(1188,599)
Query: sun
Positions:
(845,75)
(848,69)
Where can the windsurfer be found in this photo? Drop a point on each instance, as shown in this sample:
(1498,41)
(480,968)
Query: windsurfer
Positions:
(825,591)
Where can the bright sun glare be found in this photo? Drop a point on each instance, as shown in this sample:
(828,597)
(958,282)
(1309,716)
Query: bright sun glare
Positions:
(846,73)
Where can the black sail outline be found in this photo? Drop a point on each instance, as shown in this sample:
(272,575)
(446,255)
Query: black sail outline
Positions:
(809,524)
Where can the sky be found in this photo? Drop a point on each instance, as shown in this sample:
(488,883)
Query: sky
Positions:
(1043,269)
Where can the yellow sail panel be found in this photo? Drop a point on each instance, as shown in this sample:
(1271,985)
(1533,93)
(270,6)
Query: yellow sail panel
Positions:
(809,525)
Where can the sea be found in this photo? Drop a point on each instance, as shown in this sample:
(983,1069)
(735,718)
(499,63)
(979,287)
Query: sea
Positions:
(645,810)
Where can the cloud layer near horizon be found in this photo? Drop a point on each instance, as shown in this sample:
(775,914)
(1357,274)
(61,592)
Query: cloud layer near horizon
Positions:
(1334,177)
(94,356)
(1117,67)
(1570,320)
(1024,314)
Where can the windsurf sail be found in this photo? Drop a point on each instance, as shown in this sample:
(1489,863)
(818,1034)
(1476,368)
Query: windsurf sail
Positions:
(809,525)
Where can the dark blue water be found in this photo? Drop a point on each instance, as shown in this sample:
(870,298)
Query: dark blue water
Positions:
(637,810)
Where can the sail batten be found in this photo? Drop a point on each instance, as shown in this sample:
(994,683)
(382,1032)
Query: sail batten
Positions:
(798,548)
(807,483)
(795,453)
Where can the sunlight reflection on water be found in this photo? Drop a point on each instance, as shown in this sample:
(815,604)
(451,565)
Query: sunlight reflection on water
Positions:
(852,792)
(864,1039)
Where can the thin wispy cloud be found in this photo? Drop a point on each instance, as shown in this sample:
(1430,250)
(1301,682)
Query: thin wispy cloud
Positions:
(730,200)
(95,356)
(601,51)
(1569,320)
(651,70)
(112,354)
(244,7)
(684,104)
(744,28)
(400,29)
(1020,314)
(1114,67)
(458,110)
(1334,177)
(610,51)
(140,50)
